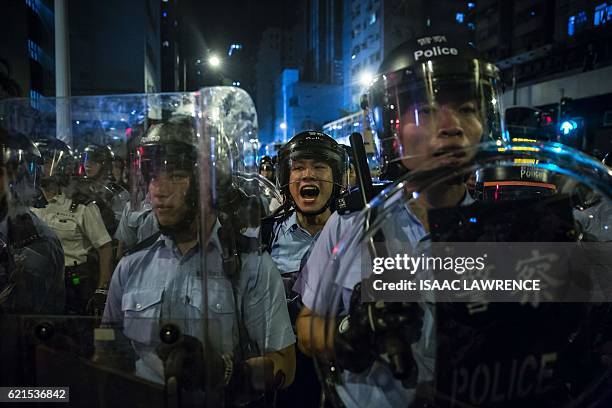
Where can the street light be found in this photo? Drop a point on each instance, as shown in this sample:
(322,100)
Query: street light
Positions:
(365,78)
(283,126)
(214,61)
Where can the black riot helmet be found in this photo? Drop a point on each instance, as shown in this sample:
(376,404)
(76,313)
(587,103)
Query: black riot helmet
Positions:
(102,155)
(20,160)
(57,157)
(170,146)
(266,164)
(416,81)
(317,146)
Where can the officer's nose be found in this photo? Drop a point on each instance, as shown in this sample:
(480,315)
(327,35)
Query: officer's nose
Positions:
(448,123)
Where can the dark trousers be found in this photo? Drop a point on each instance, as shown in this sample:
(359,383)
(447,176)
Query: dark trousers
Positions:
(81,283)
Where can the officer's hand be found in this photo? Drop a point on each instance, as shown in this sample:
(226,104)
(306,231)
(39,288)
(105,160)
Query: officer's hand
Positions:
(97,303)
(373,329)
(183,358)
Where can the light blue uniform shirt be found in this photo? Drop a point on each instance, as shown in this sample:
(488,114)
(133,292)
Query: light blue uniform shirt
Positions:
(404,233)
(291,243)
(158,285)
(136,225)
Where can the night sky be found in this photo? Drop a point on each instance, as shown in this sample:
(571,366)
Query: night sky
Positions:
(221,23)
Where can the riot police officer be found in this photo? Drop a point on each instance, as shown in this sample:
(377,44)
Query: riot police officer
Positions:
(32,266)
(80,228)
(311,175)
(198,267)
(99,185)
(266,168)
(434,102)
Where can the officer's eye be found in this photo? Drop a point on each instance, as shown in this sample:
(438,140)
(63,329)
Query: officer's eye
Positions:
(427,109)
(468,108)
(297,167)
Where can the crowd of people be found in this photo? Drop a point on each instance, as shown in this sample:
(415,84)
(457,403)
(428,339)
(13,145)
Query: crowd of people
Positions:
(203,278)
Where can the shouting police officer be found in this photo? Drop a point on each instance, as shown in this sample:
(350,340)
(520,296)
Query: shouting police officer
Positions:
(311,173)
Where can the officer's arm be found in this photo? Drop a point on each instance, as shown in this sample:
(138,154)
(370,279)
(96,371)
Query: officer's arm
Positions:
(275,370)
(98,236)
(311,334)
(105,253)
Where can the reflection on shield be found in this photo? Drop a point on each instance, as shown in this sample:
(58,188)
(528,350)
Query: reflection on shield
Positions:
(192,305)
(499,297)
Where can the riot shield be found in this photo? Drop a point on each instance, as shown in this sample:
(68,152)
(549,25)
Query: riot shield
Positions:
(193,313)
(500,296)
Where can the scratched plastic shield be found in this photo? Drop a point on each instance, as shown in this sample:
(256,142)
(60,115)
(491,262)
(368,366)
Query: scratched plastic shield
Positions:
(180,327)
(483,280)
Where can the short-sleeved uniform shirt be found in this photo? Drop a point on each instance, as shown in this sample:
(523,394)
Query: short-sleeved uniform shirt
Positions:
(158,285)
(136,225)
(42,288)
(404,233)
(79,231)
(291,242)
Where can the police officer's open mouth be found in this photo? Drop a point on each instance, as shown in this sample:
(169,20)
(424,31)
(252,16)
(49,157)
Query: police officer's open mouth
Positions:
(309,191)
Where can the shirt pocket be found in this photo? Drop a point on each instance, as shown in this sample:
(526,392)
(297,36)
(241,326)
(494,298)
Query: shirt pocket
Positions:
(141,312)
(67,230)
(221,312)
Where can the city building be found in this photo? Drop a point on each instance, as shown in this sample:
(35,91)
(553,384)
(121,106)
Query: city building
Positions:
(278,49)
(27,54)
(556,56)
(114,46)
(303,105)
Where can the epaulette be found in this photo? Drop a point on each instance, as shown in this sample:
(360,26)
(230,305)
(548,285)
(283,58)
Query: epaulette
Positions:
(78,199)
(21,230)
(352,201)
(145,243)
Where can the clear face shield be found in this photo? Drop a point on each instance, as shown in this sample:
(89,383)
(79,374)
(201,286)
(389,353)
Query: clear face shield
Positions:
(436,109)
(441,296)
(194,309)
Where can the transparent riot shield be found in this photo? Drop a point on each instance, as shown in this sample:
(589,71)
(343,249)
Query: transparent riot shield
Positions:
(189,312)
(498,296)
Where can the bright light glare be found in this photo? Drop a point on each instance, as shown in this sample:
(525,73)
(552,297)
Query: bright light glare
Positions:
(283,125)
(366,78)
(568,126)
(214,61)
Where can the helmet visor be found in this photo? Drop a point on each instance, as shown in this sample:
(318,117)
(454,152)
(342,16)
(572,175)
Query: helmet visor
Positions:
(436,109)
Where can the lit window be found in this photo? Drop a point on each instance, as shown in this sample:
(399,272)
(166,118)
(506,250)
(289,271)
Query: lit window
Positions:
(571,25)
(471,5)
(576,23)
(459,17)
(603,14)
(372,18)
(34,99)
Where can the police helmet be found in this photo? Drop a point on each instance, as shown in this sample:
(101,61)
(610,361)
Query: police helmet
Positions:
(20,158)
(56,156)
(417,76)
(170,145)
